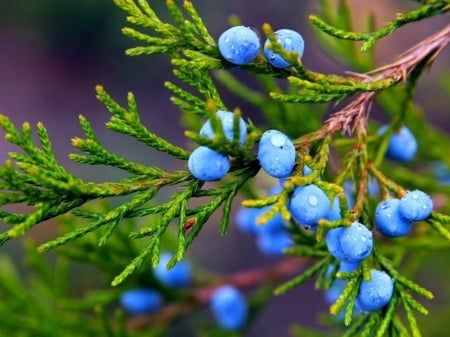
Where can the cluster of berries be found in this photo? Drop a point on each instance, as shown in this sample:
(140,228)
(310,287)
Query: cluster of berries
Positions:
(372,295)
(147,300)
(351,245)
(227,303)
(394,217)
(308,204)
(272,237)
(208,165)
(240,45)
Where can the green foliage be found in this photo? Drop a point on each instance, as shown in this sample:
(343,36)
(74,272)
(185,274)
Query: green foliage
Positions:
(343,147)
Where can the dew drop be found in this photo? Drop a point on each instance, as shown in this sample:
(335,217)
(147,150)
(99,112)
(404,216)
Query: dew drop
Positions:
(288,41)
(313,200)
(415,196)
(278,140)
(363,239)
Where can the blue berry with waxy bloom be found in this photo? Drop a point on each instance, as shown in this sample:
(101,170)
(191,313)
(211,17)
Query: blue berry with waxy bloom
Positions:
(208,165)
(416,206)
(307,170)
(350,244)
(374,187)
(239,45)
(141,301)
(229,307)
(227,120)
(274,243)
(356,242)
(376,293)
(442,172)
(276,189)
(308,204)
(289,40)
(333,244)
(178,276)
(276,154)
(334,213)
(274,224)
(389,221)
(246,218)
(348,267)
(335,290)
(333,293)
(402,145)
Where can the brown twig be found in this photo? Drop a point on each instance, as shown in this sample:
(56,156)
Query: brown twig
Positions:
(354,115)
(244,280)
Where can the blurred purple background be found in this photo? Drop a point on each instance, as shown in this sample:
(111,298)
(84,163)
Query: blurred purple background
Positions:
(53,53)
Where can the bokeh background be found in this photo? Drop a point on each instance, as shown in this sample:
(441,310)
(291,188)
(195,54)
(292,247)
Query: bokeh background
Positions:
(53,53)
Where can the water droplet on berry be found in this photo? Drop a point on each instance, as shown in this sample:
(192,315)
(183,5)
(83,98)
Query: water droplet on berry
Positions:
(313,200)
(363,239)
(278,140)
(415,196)
(288,41)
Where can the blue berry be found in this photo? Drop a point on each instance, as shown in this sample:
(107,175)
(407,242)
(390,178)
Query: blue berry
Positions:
(208,165)
(376,293)
(239,45)
(308,204)
(274,243)
(276,189)
(416,206)
(374,187)
(389,221)
(333,293)
(347,267)
(276,154)
(227,119)
(441,172)
(307,170)
(246,219)
(178,276)
(350,244)
(349,191)
(402,145)
(356,242)
(229,307)
(333,244)
(289,40)
(275,224)
(334,213)
(141,301)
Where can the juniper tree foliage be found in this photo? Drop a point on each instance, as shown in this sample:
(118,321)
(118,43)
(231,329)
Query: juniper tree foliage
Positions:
(343,147)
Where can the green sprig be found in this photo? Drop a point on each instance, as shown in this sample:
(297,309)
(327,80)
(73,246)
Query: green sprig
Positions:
(370,38)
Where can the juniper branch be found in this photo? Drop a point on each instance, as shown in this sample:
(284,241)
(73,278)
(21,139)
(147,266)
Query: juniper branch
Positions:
(370,38)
